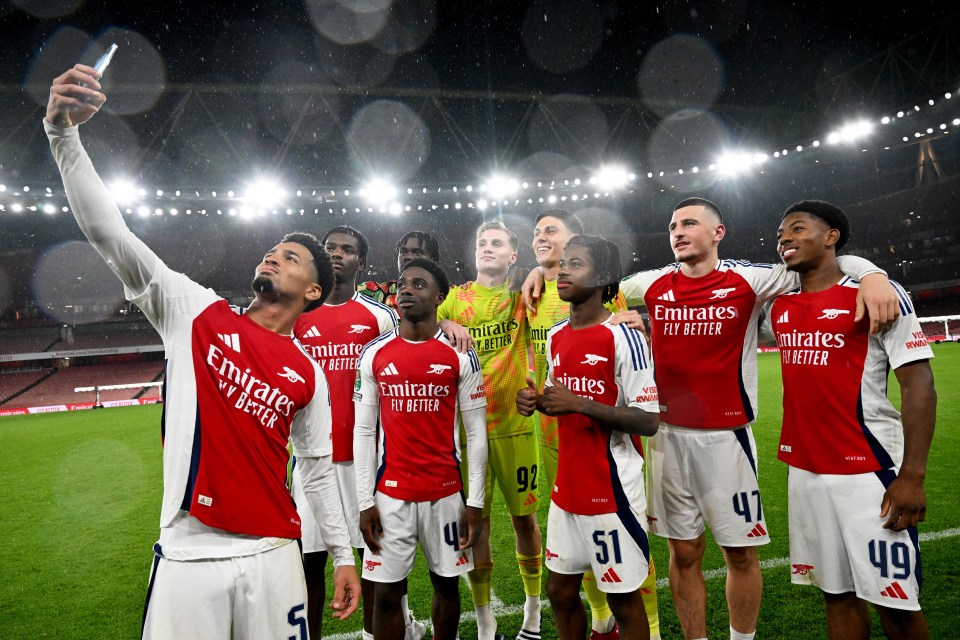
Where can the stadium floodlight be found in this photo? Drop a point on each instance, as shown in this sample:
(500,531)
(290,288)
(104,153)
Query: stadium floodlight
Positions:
(611,177)
(265,192)
(378,191)
(482,204)
(851,132)
(124,191)
(501,186)
(49,208)
(396,209)
(732,163)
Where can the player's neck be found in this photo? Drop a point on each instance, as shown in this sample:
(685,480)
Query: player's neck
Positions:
(419,330)
(700,267)
(491,280)
(588,313)
(273,315)
(342,292)
(821,277)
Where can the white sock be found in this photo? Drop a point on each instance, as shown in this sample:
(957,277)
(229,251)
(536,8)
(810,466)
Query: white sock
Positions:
(404,605)
(604,625)
(739,635)
(367,635)
(531,614)
(486,623)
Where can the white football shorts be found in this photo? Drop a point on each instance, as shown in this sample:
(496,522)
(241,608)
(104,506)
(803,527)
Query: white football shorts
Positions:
(262,595)
(838,543)
(705,475)
(612,545)
(434,524)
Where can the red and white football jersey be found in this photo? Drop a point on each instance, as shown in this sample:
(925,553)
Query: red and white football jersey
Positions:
(335,335)
(836,415)
(609,364)
(419,388)
(235,393)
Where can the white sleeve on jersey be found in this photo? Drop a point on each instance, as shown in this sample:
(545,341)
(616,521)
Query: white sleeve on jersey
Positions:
(365,453)
(634,369)
(366,403)
(319,482)
(903,341)
(771,280)
(634,287)
(312,426)
(475,428)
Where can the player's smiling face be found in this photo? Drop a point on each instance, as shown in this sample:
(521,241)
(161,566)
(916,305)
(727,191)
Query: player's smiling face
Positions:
(287,270)
(695,233)
(550,236)
(344,251)
(577,279)
(804,240)
(418,294)
(494,253)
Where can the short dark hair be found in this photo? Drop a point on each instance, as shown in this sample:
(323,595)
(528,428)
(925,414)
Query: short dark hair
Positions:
(700,202)
(321,263)
(606,258)
(433,269)
(350,231)
(427,243)
(830,214)
(573,223)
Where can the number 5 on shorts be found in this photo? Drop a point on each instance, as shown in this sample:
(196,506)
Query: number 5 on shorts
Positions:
(296,619)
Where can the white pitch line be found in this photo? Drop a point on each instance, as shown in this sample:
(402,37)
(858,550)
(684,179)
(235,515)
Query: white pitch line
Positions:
(501,610)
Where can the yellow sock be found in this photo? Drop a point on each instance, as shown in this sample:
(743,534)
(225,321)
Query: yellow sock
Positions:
(597,599)
(531,572)
(648,591)
(480,582)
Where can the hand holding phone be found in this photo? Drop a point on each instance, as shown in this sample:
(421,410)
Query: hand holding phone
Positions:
(104,60)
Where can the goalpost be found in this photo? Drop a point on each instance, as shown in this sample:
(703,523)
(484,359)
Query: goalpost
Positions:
(941,328)
(109,387)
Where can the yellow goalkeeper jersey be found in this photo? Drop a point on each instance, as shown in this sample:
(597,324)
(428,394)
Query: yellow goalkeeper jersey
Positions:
(497,321)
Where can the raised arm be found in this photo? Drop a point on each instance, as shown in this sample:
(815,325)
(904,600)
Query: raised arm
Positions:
(91,203)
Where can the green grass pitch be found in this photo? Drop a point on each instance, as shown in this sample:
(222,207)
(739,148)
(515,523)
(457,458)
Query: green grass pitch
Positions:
(81,496)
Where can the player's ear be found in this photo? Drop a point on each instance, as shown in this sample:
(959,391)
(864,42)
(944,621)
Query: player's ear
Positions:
(831,238)
(313,293)
(719,232)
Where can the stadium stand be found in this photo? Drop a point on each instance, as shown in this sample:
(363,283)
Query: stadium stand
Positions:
(58,389)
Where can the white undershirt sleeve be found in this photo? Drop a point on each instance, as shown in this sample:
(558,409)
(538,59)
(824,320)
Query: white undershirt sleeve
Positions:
(365,452)
(475,426)
(323,495)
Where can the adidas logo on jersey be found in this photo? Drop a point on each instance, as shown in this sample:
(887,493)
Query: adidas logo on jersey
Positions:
(206,501)
(592,359)
(556,360)
(895,591)
(531,499)
(784,318)
(291,375)
(831,314)
(358,328)
(232,340)
(610,576)
(462,560)
(668,296)
(389,370)
(312,332)
(722,293)
(757,532)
